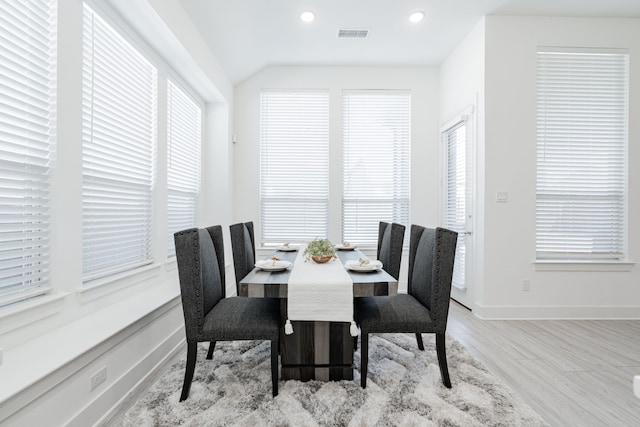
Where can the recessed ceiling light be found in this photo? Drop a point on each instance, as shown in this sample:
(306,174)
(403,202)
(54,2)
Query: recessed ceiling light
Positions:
(307,16)
(416,17)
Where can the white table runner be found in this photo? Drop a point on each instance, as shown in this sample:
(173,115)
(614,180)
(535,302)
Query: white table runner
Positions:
(319,292)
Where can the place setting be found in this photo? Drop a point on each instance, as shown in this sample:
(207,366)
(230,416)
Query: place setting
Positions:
(346,246)
(273,264)
(364,265)
(287,247)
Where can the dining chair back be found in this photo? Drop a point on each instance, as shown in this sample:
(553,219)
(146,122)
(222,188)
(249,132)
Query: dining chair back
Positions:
(424,309)
(431,257)
(243,248)
(390,241)
(209,316)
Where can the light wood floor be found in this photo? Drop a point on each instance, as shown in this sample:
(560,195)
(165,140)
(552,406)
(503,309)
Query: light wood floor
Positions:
(572,372)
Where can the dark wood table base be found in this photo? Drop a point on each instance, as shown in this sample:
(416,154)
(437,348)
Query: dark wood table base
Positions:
(320,373)
(316,350)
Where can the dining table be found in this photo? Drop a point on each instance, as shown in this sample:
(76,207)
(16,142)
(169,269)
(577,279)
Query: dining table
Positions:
(318,350)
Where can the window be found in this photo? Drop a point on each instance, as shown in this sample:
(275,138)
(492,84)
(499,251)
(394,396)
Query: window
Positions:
(294,169)
(376,138)
(119,129)
(581,154)
(184,136)
(27,132)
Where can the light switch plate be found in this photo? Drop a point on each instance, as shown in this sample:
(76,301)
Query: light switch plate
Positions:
(636,386)
(502,197)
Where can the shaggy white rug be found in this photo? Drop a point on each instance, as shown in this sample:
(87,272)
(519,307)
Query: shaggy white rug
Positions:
(404,388)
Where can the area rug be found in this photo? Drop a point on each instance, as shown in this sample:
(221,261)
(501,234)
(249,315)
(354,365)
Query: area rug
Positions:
(404,388)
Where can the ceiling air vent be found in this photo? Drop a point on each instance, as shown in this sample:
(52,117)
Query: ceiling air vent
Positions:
(358,34)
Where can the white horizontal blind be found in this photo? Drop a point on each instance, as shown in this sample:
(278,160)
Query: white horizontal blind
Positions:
(119,122)
(457,187)
(581,154)
(184,141)
(376,138)
(27,114)
(294,168)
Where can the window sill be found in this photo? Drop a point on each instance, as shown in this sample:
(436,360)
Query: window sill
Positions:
(584,265)
(12,300)
(22,313)
(108,285)
(171,264)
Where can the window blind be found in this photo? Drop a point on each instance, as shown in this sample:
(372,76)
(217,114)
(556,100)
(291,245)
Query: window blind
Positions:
(457,190)
(582,121)
(184,140)
(27,118)
(119,122)
(294,169)
(376,138)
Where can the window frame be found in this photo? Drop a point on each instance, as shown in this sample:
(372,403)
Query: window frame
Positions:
(28,154)
(316,174)
(400,206)
(576,255)
(194,195)
(94,276)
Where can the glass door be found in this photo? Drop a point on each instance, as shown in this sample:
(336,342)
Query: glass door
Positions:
(457,212)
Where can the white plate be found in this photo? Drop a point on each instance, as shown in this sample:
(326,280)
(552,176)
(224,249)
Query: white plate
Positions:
(365,268)
(355,266)
(290,248)
(269,265)
(346,248)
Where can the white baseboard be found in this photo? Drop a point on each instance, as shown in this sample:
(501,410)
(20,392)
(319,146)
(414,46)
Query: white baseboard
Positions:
(555,312)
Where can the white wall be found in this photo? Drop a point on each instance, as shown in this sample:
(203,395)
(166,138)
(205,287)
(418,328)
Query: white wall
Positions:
(462,91)
(51,346)
(423,83)
(510,153)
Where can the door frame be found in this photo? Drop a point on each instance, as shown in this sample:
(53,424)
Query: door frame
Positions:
(465,295)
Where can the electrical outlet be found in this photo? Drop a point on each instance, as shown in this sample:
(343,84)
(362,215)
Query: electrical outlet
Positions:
(98,378)
(502,197)
(525,285)
(636,386)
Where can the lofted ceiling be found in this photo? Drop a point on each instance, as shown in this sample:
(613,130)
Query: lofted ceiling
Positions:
(248,35)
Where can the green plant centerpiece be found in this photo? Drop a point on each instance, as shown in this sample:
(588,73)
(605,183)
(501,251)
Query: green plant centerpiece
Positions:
(319,250)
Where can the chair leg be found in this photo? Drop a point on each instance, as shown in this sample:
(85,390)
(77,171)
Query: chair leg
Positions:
(192,351)
(274,367)
(364,358)
(419,339)
(212,346)
(442,360)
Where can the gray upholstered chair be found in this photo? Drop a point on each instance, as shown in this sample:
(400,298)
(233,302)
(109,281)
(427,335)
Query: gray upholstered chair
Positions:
(424,309)
(208,314)
(390,241)
(244,250)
